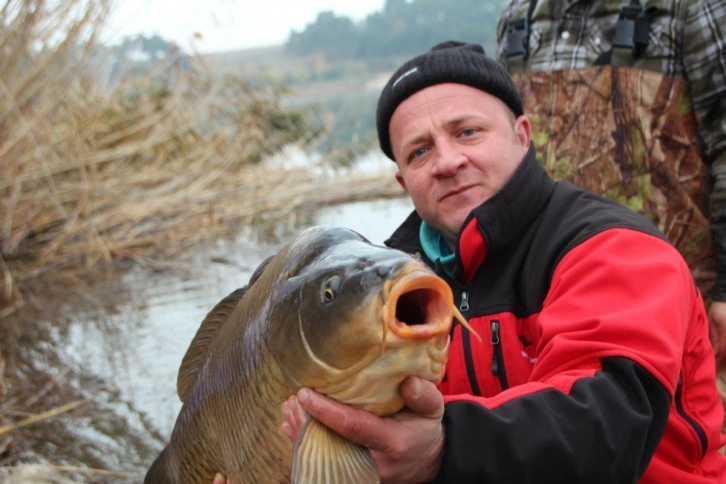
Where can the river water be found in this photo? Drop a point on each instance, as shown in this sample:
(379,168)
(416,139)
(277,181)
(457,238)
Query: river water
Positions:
(123,354)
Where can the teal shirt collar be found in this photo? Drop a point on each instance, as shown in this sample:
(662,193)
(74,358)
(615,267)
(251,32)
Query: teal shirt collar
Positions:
(436,248)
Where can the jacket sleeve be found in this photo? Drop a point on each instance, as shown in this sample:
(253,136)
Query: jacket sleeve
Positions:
(704,59)
(604,430)
(613,329)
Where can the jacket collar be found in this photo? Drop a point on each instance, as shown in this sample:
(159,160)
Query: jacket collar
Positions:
(494,224)
(499,221)
(515,207)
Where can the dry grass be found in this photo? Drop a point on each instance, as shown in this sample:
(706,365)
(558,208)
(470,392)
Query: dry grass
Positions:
(45,474)
(142,171)
(35,473)
(5,429)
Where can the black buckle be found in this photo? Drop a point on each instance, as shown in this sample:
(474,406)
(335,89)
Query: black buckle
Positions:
(516,38)
(632,28)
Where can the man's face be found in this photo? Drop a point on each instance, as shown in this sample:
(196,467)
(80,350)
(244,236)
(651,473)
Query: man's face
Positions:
(455,147)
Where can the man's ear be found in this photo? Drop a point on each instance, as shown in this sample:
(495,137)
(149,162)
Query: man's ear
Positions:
(523,130)
(400,181)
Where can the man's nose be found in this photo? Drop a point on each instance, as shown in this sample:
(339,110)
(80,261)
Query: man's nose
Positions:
(449,158)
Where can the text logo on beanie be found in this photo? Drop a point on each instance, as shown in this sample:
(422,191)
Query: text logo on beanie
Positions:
(449,61)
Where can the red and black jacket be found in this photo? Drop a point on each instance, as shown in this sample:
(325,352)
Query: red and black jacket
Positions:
(594,363)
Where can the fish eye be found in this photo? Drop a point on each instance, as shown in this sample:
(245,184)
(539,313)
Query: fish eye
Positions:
(330,289)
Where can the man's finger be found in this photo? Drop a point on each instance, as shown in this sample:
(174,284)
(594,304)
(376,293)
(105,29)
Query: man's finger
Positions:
(294,417)
(422,397)
(353,424)
(220,479)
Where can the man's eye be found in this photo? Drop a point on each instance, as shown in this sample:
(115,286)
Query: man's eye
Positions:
(418,152)
(467,132)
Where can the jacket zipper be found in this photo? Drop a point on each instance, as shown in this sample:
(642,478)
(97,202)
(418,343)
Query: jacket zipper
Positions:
(497,357)
(696,427)
(464,306)
(466,344)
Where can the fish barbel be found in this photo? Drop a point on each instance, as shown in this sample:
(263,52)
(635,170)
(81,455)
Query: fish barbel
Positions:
(329,311)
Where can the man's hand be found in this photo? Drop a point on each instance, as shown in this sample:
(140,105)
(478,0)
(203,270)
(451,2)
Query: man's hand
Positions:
(717,332)
(407,447)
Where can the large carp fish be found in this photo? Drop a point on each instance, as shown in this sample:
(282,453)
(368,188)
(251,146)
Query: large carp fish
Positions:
(329,311)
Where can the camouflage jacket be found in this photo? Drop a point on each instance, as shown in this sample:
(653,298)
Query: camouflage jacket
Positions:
(685,40)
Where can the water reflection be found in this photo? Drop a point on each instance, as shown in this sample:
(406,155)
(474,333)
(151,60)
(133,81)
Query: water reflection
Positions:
(133,350)
(104,431)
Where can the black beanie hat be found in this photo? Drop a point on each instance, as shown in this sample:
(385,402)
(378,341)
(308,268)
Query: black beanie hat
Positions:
(449,61)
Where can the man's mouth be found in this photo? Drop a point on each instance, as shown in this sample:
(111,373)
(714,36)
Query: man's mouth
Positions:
(455,191)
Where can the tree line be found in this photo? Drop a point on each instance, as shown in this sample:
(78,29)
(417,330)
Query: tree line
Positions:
(402,28)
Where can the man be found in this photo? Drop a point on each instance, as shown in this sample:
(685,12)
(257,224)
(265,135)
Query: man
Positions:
(594,363)
(645,82)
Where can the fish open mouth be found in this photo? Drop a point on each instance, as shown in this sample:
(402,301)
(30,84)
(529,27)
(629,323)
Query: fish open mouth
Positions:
(420,306)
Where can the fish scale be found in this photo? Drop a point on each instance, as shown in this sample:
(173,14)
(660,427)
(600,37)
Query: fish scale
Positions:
(314,315)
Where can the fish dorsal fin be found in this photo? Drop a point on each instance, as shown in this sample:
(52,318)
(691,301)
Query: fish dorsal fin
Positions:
(197,351)
(322,456)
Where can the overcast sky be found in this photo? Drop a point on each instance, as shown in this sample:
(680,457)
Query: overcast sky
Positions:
(227,24)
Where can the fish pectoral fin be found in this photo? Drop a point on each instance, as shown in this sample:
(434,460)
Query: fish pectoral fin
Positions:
(322,456)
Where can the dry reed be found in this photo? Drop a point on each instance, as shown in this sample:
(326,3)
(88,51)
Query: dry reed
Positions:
(46,474)
(141,171)
(4,429)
